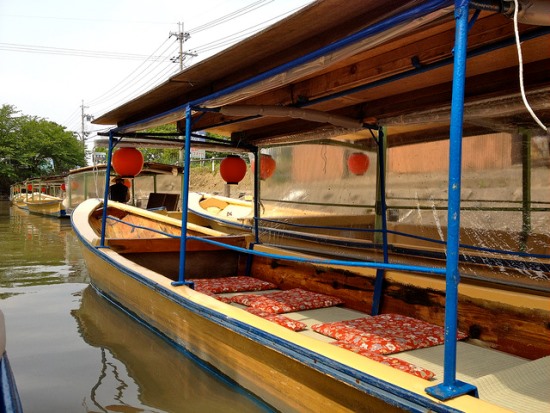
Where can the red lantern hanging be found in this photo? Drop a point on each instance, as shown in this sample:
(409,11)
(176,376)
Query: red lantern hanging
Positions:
(43,189)
(233,169)
(63,187)
(267,166)
(358,163)
(29,187)
(127,161)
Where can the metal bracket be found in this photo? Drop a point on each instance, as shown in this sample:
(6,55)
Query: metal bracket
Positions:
(445,392)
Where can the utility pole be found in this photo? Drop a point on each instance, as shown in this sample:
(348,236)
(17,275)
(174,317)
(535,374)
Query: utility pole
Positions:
(182,37)
(84,117)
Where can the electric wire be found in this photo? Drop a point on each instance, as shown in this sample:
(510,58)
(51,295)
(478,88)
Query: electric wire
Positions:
(137,75)
(155,72)
(231,16)
(26,48)
(147,83)
(131,77)
(242,34)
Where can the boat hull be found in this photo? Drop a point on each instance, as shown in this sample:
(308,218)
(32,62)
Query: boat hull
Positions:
(46,205)
(289,371)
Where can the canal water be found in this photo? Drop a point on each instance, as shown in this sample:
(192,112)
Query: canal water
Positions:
(72,351)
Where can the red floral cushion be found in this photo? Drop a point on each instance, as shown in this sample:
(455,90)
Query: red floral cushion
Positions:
(279,319)
(231,285)
(386,333)
(390,361)
(287,301)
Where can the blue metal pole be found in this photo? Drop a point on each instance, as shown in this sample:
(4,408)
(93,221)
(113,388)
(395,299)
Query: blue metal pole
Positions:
(106,190)
(185,199)
(257,161)
(451,387)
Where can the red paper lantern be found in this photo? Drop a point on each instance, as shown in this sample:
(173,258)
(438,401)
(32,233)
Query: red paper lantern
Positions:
(29,187)
(358,163)
(127,161)
(63,187)
(43,189)
(233,169)
(267,166)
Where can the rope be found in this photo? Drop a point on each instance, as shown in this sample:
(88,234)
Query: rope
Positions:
(520,58)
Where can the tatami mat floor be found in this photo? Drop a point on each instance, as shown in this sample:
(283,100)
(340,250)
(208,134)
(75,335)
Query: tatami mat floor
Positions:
(503,379)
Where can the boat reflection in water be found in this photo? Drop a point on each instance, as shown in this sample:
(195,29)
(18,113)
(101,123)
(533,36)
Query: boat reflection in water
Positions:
(141,371)
(42,253)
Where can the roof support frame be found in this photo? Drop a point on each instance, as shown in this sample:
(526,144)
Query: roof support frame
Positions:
(419,11)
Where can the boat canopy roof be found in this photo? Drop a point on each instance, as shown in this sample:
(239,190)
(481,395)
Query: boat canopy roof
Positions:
(336,66)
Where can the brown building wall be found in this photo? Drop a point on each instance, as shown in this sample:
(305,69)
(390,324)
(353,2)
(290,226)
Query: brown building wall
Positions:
(478,153)
(312,163)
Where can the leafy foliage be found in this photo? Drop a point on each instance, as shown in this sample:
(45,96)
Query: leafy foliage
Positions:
(34,147)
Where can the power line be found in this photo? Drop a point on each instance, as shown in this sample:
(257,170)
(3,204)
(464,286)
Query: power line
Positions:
(231,16)
(232,38)
(141,82)
(131,77)
(76,52)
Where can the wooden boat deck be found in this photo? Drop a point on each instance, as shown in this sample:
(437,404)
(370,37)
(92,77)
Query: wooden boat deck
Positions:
(503,379)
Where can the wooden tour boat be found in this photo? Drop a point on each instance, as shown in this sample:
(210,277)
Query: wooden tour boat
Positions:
(379,292)
(41,196)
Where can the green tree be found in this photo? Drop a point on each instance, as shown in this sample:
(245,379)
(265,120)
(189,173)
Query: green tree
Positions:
(34,147)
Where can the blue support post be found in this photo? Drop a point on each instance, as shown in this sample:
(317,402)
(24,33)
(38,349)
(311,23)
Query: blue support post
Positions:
(381,210)
(185,200)
(451,387)
(106,190)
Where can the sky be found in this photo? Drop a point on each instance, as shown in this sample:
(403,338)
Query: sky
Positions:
(62,58)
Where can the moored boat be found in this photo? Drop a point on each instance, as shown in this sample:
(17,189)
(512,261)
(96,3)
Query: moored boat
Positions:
(140,259)
(44,196)
(333,331)
(17,196)
(354,236)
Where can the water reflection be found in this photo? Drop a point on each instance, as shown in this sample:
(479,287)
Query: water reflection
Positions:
(137,366)
(37,250)
(72,351)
